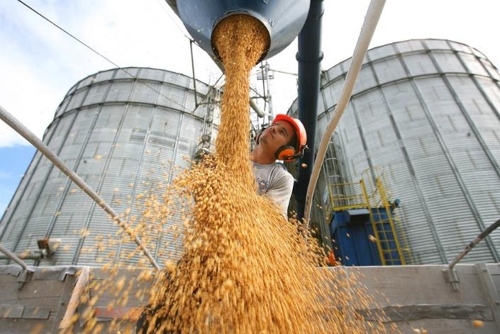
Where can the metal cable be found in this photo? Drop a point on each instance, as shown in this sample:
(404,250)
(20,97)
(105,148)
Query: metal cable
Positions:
(98,53)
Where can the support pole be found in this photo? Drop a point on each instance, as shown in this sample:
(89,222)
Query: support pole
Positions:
(13,257)
(309,57)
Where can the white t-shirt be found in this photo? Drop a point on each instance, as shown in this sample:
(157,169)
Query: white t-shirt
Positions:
(275,182)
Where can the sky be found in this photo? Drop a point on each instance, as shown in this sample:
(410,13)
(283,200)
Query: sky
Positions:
(39,63)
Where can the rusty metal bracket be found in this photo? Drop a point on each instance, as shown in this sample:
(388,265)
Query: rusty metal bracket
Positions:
(26,274)
(451,276)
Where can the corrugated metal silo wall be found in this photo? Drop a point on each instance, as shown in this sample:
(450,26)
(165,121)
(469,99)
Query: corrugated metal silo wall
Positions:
(122,131)
(428,113)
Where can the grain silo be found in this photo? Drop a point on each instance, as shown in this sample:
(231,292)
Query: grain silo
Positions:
(427,113)
(124,132)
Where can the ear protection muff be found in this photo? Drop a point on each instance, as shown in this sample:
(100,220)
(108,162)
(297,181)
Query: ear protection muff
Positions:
(285,152)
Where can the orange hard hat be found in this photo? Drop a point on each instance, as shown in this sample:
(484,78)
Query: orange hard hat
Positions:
(298,127)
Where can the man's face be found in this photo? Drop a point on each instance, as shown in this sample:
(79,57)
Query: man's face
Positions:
(277,135)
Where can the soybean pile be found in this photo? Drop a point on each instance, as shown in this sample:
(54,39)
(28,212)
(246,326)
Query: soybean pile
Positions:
(244,268)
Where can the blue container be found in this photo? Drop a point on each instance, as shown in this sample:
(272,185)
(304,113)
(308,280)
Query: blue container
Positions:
(353,238)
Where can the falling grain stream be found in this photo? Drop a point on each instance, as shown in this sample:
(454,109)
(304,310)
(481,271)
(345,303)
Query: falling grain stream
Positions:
(244,268)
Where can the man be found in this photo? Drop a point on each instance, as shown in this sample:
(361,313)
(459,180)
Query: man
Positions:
(284,140)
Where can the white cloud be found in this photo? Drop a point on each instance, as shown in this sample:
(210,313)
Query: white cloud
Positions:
(30,98)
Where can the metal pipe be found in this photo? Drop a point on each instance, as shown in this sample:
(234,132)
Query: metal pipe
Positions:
(309,57)
(194,75)
(47,152)
(474,242)
(256,108)
(13,257)
(31,256)
(282,19)
(372,17)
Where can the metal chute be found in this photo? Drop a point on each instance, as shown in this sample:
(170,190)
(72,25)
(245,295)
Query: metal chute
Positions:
(283,19)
